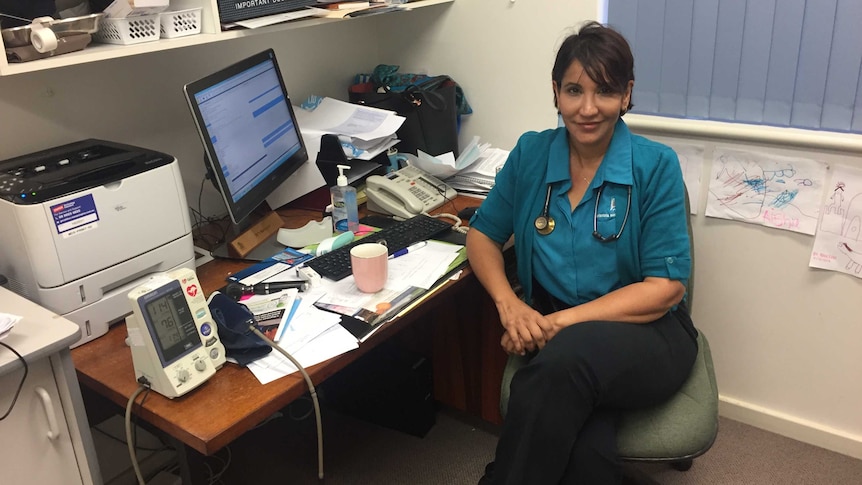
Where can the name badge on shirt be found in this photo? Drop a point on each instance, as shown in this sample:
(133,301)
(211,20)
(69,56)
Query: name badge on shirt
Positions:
(607,208)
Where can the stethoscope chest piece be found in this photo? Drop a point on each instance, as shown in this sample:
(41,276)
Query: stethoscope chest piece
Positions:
(544,224)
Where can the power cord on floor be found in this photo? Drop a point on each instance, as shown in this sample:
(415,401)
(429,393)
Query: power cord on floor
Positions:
(216,478)
(145,386)
(311,390)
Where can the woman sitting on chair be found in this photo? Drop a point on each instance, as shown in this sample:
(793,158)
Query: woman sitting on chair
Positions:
(599,223)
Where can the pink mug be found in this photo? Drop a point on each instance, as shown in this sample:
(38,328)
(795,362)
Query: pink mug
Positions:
(369,262)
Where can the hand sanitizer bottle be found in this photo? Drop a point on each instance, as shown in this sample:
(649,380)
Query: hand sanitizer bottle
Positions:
(345,213)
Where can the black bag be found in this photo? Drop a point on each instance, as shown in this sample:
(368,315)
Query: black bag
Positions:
(232,320)
(431,123)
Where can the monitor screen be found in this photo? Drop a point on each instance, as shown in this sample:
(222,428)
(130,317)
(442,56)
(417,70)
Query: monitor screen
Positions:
(249,132)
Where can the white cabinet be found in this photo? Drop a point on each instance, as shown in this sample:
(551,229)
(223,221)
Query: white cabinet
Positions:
(210,32)
(46,438)
(36,431)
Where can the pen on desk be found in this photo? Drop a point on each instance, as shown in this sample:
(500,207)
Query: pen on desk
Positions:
(408,249)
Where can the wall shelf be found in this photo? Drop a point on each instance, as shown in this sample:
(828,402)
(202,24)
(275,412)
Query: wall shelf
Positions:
(210,32)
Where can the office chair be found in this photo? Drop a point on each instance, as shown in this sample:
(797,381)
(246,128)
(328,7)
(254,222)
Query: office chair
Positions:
(676,431)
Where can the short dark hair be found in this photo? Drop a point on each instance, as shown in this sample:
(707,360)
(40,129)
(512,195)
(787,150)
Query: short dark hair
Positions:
(605,54)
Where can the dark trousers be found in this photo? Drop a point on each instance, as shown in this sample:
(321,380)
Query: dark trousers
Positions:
(564,404)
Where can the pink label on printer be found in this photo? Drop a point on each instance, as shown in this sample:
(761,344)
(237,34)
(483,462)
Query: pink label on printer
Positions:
(75,215)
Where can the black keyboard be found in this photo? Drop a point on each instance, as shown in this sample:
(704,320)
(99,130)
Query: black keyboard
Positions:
(335,265)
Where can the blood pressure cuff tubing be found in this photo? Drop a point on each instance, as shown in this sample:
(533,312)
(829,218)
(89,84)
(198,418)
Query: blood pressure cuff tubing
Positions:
(233,320)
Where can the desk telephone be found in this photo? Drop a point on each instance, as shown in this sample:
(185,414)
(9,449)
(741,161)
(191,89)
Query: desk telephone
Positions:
(406,192)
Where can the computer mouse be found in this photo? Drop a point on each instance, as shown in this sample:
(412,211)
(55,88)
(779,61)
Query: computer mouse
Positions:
(467,212)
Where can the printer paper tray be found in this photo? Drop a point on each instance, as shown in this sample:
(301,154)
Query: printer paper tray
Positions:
(85,301)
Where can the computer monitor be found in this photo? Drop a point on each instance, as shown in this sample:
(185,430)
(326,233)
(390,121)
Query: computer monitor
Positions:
(248,129)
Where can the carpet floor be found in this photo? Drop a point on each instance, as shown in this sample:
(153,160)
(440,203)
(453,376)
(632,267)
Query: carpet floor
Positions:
(455,451)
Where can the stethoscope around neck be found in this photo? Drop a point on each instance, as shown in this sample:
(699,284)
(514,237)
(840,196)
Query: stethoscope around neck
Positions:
(545,224)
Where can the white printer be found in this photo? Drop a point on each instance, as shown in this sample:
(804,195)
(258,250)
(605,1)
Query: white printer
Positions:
(83,224)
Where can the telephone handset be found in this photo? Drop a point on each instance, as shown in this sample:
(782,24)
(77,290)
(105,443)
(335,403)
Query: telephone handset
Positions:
(406,192)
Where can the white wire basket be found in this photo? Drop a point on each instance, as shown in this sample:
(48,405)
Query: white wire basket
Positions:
(180,23)
(131,30)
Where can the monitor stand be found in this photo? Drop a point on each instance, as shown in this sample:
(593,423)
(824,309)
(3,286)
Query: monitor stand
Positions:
(266,250)
(253,243)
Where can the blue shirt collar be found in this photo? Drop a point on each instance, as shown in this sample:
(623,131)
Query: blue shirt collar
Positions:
(616,167)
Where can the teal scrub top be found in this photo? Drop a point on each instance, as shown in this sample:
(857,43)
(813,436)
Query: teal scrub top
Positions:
(570,263)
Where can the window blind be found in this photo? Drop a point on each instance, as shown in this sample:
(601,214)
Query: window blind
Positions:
(795,63)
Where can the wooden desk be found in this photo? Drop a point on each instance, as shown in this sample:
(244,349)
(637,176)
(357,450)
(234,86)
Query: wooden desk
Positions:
(459,323)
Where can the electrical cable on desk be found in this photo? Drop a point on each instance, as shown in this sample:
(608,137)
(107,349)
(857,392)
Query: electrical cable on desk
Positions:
(311,390)
(201,221)
(441,188)
(20,385)
(457,226)
(457,220)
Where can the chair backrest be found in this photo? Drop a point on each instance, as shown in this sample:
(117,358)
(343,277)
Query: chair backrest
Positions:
(689,288)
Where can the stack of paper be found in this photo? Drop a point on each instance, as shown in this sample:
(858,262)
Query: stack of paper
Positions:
(472,172)
(308,334)
(446,165)
(364,132)
(479,177)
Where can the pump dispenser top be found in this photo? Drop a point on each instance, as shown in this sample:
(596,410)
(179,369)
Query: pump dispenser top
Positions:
(341,181)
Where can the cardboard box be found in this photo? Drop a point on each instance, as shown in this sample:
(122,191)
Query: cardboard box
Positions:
(120,9)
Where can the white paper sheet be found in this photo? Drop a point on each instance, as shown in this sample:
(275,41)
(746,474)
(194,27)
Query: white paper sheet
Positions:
(838,242)
(7,322)
(691,164)
(766,189)
(335,341)
(306,323)
(341,118)
(278,18)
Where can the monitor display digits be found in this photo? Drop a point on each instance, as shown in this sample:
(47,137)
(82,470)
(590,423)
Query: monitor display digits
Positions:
(164,319)
(170,320)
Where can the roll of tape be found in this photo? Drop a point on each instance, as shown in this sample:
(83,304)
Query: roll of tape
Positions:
(41,36)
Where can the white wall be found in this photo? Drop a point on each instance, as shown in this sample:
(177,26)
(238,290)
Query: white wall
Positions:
(785,338)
